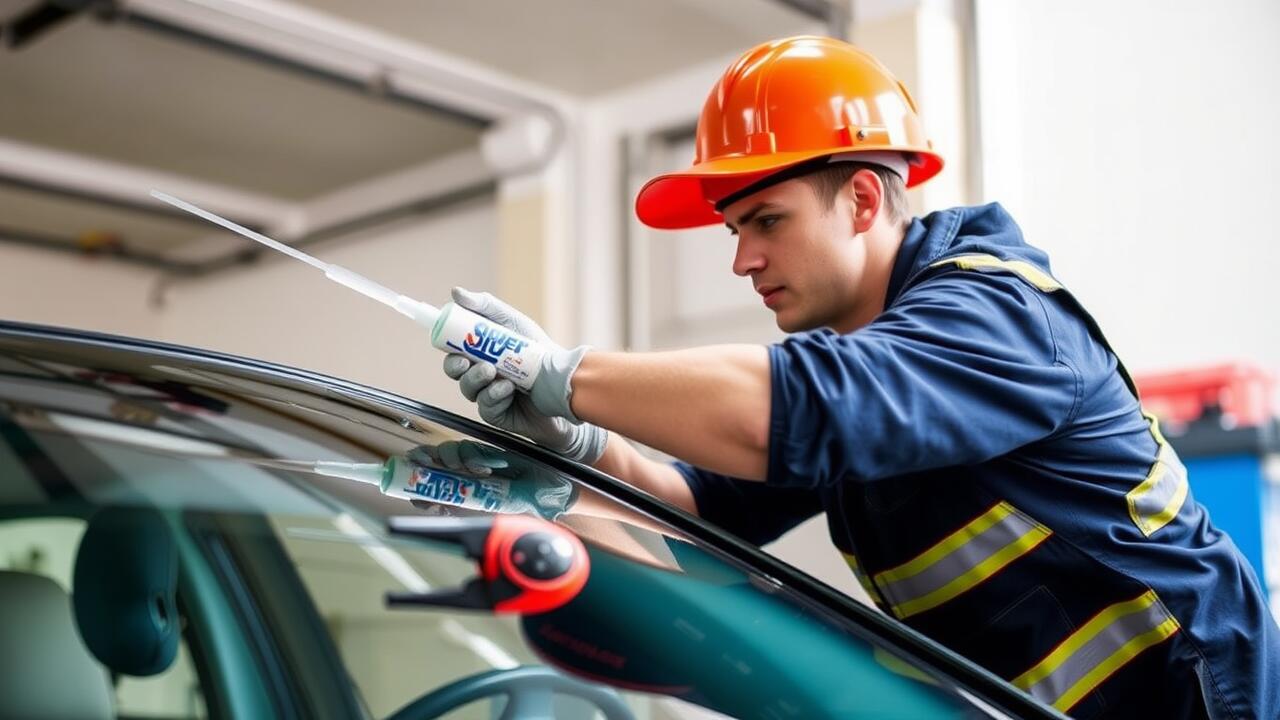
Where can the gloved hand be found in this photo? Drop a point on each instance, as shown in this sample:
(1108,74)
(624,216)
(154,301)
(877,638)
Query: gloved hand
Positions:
(543,415)
(512,485)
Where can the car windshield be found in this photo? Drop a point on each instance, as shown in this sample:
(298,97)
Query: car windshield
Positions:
(273,599)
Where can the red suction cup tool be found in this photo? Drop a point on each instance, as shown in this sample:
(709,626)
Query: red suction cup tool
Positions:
(527,565)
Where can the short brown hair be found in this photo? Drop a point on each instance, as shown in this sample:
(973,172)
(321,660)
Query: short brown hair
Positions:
(828,182)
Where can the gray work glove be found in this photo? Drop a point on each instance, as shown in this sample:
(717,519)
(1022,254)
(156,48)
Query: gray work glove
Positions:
(543,415)
(509,484)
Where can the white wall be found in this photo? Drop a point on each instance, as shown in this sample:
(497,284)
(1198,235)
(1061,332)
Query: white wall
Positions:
(1136,143)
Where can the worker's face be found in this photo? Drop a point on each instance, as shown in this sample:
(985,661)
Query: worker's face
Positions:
(813,266)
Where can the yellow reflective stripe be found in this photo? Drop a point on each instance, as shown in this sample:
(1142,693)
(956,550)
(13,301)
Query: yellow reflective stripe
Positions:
(975,576)
(1032,274)
(1161,474)
(960,561)
(1087,632)
(947,545)
(1080,669)
(863,580)
(1155,501)
(1118,659)
(1154,423)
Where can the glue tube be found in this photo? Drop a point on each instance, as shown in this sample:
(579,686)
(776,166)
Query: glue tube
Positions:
(399,478)
(456,329)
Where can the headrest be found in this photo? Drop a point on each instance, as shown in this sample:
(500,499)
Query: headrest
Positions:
(48,672)
(125,590)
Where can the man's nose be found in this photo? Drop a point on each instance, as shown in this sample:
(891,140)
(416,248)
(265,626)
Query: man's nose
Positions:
(748,259)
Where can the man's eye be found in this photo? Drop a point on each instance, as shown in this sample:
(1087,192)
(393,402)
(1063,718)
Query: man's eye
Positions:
(767,221)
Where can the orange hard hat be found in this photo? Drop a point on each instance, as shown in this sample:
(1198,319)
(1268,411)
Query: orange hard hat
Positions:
(784,103)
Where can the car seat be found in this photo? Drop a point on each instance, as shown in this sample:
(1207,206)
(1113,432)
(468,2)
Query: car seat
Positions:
(47,670)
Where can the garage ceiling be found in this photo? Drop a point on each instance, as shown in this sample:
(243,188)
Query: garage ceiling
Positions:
(581,47)
(118,92)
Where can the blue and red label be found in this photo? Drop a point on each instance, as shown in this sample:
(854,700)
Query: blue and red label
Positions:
(490,342)
(461,492)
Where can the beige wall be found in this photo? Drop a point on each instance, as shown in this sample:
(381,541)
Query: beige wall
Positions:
(51,288)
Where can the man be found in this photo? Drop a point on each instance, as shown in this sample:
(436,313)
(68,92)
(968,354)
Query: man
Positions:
(981,455)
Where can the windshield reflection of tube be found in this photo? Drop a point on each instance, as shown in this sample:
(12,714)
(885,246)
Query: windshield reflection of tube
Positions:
(546,496)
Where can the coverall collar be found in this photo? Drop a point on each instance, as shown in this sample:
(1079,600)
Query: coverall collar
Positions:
(982,228)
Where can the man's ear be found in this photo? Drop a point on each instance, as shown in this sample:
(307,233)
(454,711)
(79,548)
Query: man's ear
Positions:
(865,193)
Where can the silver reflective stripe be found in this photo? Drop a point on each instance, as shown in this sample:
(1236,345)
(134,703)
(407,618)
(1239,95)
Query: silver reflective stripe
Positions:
(1155,502)
(1097,650)
(961,561)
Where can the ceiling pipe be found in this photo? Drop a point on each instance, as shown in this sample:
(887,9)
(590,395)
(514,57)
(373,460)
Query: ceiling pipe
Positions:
(128,186)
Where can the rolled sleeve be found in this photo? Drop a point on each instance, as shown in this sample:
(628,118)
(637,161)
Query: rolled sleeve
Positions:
(964,368)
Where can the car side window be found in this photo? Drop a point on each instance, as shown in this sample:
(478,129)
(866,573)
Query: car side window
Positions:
(35,551)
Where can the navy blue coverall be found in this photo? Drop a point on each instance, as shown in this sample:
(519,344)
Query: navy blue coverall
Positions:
(989,476)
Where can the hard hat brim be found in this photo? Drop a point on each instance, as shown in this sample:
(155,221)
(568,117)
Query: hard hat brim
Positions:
(680,200)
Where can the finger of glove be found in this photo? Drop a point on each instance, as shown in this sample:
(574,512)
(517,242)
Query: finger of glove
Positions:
(449,455)
(483,303)
(486,304)
(476,458)
(480,459)
(495,405)
(498,390)
(476,379)
(456,365)
(554,495)
(421,455)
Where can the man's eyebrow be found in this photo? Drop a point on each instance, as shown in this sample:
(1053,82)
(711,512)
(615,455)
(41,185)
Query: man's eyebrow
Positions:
(746,217)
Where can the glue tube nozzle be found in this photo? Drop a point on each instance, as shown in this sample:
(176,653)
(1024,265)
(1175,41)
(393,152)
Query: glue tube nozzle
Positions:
(420,312)
(370,473)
